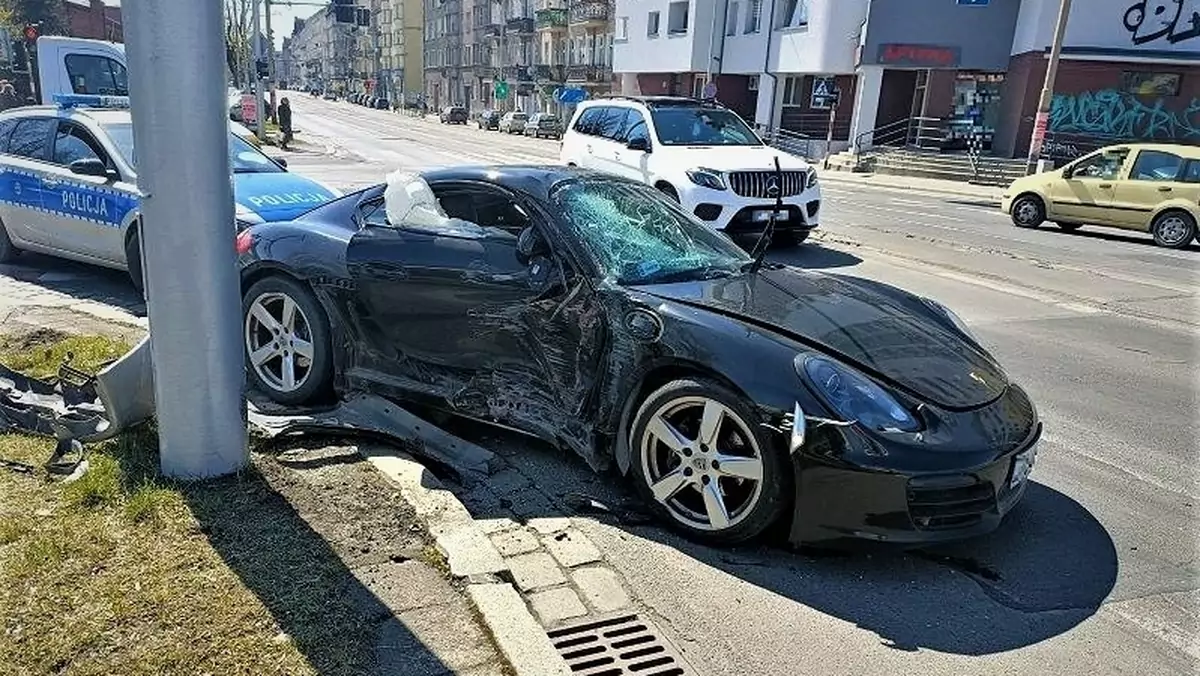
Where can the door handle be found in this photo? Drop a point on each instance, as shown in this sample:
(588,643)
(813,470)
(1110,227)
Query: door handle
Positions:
(1164,188)
(1105,185)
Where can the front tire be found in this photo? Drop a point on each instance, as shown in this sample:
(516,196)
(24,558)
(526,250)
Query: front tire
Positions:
(1028,211)
(1173,229)
(285,337)
(701,459)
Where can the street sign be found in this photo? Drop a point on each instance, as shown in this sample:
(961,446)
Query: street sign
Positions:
(824,93)
(710,90)
(501,89)
(249,108)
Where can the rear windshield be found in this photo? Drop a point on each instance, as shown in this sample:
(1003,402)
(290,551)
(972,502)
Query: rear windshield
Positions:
(520,116)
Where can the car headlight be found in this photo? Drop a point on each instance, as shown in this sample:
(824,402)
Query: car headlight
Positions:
(708,178)
(811,180)
(855,397)
(951,317)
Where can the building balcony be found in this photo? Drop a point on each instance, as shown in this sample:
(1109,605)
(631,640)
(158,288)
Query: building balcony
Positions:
(547,73)
(521,25)
(485,72)
(588,73)
(551,18)
(517,74)
(589,13)
(492,30)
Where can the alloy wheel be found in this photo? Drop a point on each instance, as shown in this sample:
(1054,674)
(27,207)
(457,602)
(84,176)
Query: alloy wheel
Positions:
(1027,212)
(1173,230)
(279,342)
(702,463)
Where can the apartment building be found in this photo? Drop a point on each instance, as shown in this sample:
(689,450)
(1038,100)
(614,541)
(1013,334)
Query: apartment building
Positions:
(1130,69)
(537,47)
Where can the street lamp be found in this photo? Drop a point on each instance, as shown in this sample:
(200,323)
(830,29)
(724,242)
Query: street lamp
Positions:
(1042,121)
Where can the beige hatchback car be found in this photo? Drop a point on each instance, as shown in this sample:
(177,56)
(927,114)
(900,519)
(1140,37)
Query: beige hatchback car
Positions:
(1153,188)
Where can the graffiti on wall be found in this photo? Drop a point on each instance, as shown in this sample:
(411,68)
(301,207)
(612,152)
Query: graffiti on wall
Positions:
(1115,114)
(1150,20)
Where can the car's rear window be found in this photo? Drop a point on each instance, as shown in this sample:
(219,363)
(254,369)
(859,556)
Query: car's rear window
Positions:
(520,116)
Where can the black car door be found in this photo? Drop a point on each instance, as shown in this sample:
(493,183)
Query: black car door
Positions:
(457,314)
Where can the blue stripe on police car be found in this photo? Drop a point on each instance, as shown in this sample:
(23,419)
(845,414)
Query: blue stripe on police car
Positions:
(278,196)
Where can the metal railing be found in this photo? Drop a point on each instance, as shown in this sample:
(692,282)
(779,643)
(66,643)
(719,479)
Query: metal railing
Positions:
(589,10)
(791,142)
(911,132)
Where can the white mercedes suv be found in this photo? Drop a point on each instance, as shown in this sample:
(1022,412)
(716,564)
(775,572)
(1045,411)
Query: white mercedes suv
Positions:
(699,153)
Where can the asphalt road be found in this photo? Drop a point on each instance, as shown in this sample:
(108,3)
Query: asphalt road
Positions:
(1095,573)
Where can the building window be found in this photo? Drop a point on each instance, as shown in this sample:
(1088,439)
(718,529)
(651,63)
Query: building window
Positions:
(793,14)
(622,28)
(753,16)
(698,87)
(677,17)
(731,18)
(652,24)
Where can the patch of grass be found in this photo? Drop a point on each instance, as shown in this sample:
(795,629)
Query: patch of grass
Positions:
(41,352)
(117,572)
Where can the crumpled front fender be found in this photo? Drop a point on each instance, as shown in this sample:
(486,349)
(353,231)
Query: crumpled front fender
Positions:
(81,406)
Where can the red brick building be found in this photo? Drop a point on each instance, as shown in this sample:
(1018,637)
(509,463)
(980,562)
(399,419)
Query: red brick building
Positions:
(96,19)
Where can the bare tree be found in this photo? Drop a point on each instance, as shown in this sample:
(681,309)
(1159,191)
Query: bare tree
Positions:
(238,52)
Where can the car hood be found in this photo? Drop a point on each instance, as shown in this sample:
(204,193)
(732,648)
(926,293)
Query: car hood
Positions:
(858,322)
(737,158)
(278,196)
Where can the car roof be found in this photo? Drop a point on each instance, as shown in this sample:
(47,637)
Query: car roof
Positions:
(656,101)
(100,115)
(1192,151)
(531,179)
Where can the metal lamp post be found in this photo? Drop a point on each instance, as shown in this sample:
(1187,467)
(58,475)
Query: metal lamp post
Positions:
(187,234)
(1042,121)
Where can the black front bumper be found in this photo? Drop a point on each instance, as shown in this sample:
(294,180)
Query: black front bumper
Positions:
(835,501)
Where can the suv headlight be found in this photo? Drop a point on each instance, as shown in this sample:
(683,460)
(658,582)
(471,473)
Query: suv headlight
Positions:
(855,397)
(951,316)
(810,181)
(708,178)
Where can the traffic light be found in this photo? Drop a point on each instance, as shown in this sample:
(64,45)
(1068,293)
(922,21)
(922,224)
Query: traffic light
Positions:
(261,68)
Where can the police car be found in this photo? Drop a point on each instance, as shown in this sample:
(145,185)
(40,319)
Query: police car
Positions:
(68,184)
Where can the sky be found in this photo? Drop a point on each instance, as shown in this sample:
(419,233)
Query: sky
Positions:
(282,17)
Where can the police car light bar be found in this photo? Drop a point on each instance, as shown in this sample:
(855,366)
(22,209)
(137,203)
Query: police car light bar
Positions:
(90,101)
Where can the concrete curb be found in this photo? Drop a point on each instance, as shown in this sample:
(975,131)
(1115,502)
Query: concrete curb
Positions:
(472,556)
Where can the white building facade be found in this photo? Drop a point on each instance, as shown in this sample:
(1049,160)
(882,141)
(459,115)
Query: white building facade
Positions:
(915,71)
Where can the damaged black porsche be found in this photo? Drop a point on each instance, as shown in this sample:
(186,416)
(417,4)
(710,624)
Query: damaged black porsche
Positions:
(589,311)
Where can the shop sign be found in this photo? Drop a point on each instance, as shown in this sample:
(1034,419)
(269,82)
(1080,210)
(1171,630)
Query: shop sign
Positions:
(921,56)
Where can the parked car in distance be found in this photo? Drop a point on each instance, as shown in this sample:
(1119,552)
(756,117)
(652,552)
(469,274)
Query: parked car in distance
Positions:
(513,123)
(489,120)
(591,312)
(453,115)
(1149,187)
(544,125)
(700,154)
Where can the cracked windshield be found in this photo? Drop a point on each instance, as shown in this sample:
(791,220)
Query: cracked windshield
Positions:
(599,337)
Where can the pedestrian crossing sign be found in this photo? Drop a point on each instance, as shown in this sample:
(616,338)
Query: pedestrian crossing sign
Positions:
(825,93)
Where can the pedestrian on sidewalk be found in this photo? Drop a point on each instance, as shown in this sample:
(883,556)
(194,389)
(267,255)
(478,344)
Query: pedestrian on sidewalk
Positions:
(285,122)
(8,96)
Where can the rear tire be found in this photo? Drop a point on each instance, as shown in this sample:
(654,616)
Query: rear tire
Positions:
(8,252)
(311,365)
(1173,229)
(133,263)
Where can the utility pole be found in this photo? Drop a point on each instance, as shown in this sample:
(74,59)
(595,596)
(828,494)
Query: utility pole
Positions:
(380,87)
(259,123)
(187,238)
(270,59)
(1042,121)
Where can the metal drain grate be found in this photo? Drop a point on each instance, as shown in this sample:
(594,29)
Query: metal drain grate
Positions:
(627,645)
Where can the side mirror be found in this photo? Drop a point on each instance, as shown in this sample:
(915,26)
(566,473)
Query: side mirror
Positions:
(1067,172)
(530,245)
(639,143)
(281,162)
(90,167)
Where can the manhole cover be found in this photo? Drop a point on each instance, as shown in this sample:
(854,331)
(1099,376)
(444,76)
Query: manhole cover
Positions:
(627,645)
